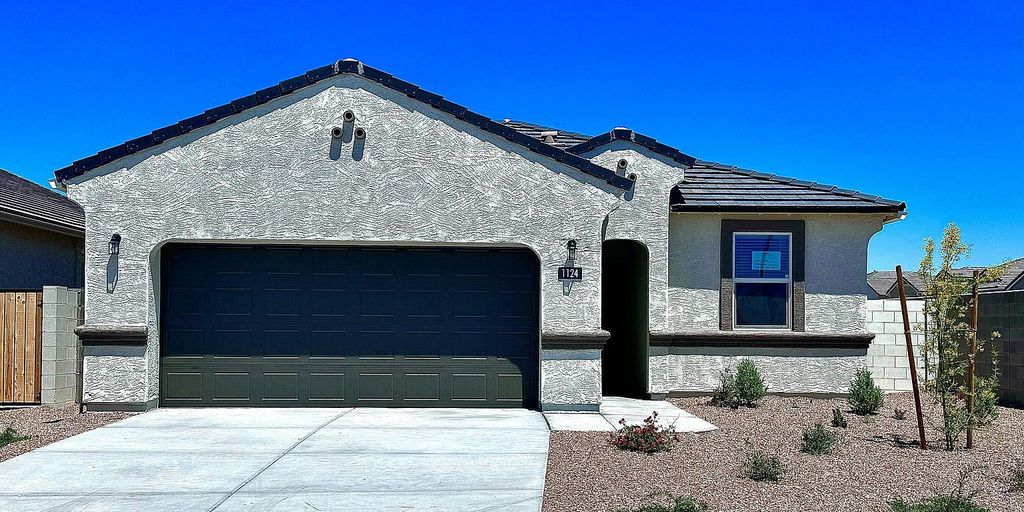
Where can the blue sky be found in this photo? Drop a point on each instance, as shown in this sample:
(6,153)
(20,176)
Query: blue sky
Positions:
(921,102)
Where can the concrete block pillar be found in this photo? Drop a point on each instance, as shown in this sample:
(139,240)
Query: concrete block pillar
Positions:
(61,369)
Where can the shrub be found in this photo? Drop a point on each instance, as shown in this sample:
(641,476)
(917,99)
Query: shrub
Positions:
(647,438)
(938,504)
(864,396)
(750,388)
(838,420)
(817,440)
(762,467)
(678,504)
(959,500)
(10,436)
(1017,478)
(900,414)
(725,394)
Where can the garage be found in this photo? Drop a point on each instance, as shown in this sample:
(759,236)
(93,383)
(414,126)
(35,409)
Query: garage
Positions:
(330,326)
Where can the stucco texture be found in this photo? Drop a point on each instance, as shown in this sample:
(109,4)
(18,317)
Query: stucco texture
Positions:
(835,269)
(645,216)
(275,175)
(785,370)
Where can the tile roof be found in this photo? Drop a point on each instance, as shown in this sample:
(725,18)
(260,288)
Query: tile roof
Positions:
(881,281)
(558,138)
(26,202)
(352,67)
(710,186)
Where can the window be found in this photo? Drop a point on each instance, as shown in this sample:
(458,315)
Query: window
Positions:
(763,280)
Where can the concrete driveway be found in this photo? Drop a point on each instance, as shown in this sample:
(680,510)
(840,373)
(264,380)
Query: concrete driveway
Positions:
(290,459)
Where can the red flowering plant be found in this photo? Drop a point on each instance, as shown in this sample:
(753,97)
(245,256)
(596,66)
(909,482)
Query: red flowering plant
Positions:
(649,437)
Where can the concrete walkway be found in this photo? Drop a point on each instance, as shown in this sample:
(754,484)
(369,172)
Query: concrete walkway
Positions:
(290,459)
(634,411)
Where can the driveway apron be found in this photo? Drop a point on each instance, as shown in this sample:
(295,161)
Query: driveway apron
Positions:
(290,459)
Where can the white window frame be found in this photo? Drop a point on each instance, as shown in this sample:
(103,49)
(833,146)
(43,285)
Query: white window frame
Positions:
(788,281)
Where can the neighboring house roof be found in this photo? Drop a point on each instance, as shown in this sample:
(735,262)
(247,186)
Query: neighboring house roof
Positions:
(352,67)
(28,203)
(558,138)
(883,282)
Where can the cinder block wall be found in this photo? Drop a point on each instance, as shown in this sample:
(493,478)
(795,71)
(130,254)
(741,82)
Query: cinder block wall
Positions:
(887,356)
(62,353)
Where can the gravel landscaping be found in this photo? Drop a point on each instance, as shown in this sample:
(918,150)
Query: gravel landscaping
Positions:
(877,460)
(47,425)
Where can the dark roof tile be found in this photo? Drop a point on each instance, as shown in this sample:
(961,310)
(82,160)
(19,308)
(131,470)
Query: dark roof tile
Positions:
(22,199)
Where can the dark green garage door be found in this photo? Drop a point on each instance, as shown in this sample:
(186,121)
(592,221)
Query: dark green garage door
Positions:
(330,326)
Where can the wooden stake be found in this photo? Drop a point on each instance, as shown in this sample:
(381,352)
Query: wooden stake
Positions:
(910,356)
(970,362)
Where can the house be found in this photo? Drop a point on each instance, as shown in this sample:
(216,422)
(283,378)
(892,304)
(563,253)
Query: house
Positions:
(347,238)
(41,237)
(883,282)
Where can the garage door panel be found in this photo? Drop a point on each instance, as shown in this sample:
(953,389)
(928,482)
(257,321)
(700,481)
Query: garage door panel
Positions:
(301,326)
(290,343)
(280,386)
(332,344)
(231,385)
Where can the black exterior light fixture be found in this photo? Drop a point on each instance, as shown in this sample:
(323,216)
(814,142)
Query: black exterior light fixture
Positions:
(570,247)
(114,246)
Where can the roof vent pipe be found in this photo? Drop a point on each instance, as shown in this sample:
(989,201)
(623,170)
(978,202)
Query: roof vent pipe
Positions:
(360,133)
(621,166)
(349,116)
(336,132)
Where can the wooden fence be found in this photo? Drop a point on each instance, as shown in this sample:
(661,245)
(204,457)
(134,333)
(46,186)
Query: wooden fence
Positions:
(21,322)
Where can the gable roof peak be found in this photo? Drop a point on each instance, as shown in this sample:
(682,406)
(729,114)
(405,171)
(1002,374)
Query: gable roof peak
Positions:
(352,67)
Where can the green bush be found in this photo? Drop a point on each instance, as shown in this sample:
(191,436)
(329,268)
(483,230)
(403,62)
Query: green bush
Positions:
(817,440)
(725,394)
(650,437)
(750,387)
(864,396)
(838,420)
(939,504)
(762,467)
(678,504)
(10,436)
(958,500)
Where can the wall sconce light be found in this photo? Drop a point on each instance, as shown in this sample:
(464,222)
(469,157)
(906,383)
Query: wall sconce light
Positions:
(570,247)
(115,244)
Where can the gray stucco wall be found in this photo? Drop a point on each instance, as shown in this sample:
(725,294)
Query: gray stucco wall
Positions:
(422,177)
(836,265)
(835,302)
(785,370)
(32,258)
(645,217)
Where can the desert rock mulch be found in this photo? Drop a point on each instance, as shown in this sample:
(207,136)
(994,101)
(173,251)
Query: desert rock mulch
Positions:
(877,461)
(47,425)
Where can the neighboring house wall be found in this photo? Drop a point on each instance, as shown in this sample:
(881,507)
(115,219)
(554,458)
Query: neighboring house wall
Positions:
(835,303)
(887,356)
(421,177)
(62,353)
(1004,313)
(31,258)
